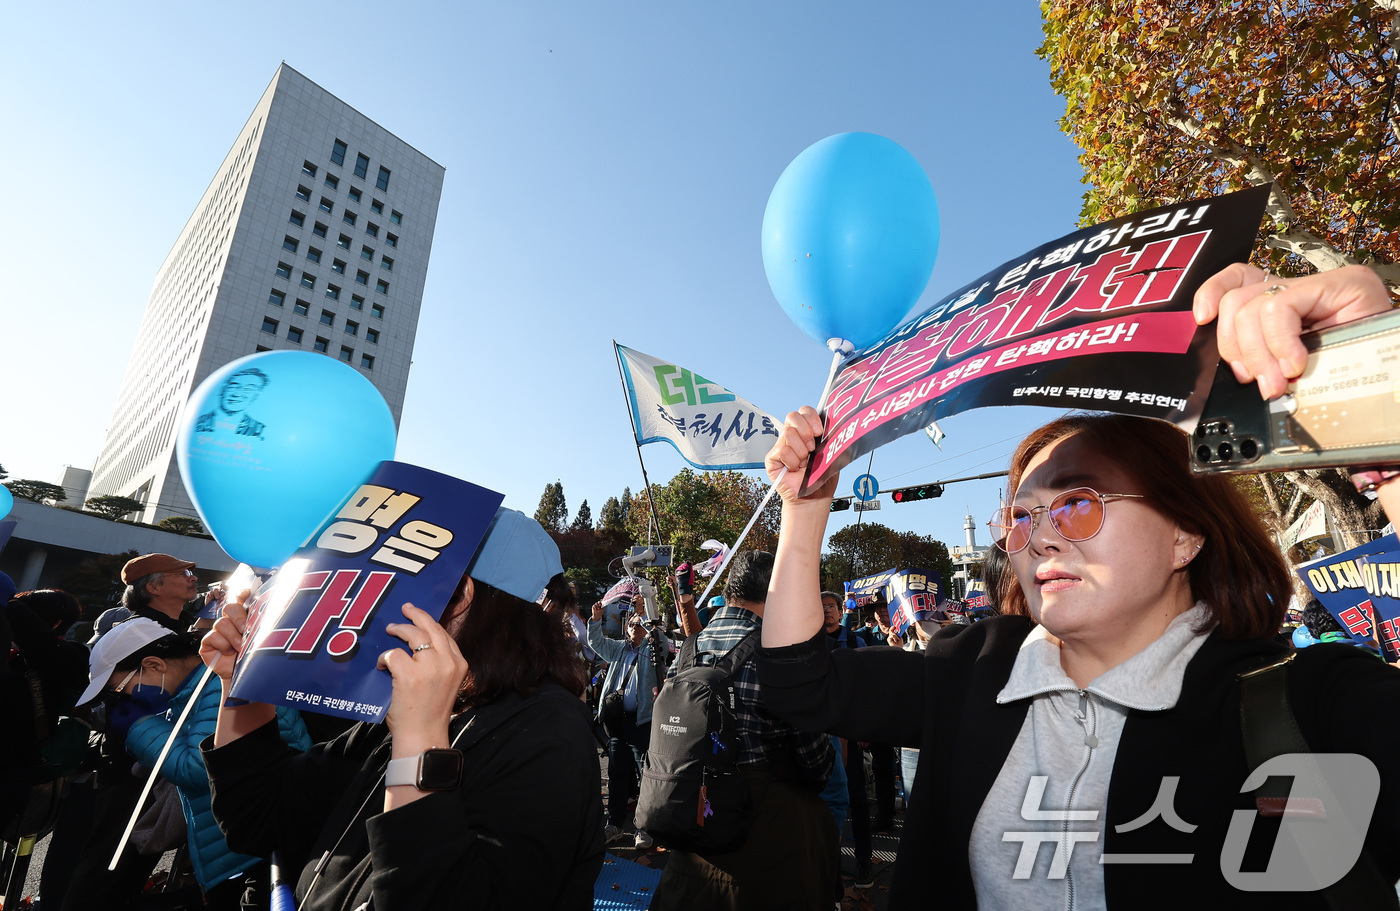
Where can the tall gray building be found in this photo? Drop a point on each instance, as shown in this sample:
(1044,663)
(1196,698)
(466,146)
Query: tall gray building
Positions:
(313,235)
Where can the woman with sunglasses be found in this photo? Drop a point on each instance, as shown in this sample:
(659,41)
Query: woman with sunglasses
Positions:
(1102,713)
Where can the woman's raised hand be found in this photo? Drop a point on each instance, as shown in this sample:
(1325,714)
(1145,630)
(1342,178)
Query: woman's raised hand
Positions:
(427,678)
(219,647)
(793,451)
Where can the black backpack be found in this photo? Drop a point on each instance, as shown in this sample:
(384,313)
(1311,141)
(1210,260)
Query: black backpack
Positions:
(693,796)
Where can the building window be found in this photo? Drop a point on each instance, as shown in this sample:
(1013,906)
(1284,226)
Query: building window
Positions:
(357,302)
(348,218)
(382,286)
(289,243)
(354,195)
(260,349)
(376,311)
(344,242)
(276,298)
(338,267)
(346,353)
(326,205)
(308,280)
(372,336)
(333,292)
(396,217)
(392,240)
(372,229)
(367,253)
(294,334)
(322,344)
(367,361)
(313,254)
(352,327)
(362,278)
(333,182)
(361,165)
(378,207)
(386,264)
(338,152)
(383,181)
(269,325)
(303,193)
(284,270)
(319,229)
(300,307)
(327,318)
(297,218)
(308,169)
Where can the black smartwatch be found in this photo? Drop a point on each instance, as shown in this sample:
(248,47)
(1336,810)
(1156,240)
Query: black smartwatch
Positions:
(434,769)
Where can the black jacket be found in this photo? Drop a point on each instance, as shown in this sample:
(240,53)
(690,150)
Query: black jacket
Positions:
(524,829)
(1345,701)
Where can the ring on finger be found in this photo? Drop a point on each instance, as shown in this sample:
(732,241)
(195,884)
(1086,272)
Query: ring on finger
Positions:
(423,648)
(1274,289)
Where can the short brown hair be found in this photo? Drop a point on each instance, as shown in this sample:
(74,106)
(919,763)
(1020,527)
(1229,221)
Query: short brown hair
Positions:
(511,644)
(1239,574)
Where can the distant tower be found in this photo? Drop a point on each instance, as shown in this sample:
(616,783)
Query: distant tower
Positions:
(970,527)
(314,235)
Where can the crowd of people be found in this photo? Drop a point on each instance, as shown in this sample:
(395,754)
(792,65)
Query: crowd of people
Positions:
(1115,709)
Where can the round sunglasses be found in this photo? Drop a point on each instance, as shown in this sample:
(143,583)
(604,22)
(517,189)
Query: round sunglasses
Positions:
(1076,515)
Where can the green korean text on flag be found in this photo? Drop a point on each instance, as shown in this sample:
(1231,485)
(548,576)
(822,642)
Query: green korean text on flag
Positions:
(711,427)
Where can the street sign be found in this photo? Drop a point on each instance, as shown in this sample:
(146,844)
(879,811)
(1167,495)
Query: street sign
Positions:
(866,487)
(866,505)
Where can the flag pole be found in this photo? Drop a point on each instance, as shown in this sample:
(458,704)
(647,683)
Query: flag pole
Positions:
(632,419)
(839,348)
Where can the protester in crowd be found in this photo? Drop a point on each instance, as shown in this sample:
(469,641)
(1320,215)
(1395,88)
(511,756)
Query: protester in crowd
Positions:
(483,790)
(148,674)
(159,587)
(687,617)
(624,711)
(789,857)
(852,754)
(561,601)
(1138,595)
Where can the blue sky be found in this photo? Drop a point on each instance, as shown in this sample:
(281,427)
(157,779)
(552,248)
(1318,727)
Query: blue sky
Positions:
(607,171)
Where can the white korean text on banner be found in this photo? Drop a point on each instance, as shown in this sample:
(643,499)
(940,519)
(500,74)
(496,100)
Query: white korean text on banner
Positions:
(1099,319)
(711,427)
(316,628)
(910,594)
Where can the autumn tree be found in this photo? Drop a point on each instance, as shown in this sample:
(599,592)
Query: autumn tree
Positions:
(553,511)
(868,548)
(698,505)
(1170,101)
(38,491)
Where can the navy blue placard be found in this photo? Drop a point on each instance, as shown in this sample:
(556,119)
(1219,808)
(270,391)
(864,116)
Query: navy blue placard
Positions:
(317,628)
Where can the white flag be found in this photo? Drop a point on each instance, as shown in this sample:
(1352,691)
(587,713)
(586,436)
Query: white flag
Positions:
(711,427)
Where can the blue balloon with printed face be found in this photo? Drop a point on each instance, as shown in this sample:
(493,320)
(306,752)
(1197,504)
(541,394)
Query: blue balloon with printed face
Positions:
(1303,637)
(7,501)
(850,236)
(270,444)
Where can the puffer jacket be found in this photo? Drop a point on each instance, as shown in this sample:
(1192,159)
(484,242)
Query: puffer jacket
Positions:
(210,855)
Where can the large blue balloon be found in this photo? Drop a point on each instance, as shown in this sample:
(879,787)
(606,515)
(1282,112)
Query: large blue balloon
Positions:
(270,444)
(850,236)
(7,501)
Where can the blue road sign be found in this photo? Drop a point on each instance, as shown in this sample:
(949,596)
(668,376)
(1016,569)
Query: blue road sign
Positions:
(867,488)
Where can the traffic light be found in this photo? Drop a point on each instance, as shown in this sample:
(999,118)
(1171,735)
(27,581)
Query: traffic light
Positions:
(924,492)
(840,503)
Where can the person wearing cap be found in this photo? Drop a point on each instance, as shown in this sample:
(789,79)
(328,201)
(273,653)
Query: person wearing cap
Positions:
(158,587)
(483,790)
(147,675)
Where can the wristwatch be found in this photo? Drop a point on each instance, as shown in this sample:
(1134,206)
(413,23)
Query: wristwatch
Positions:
(433,769)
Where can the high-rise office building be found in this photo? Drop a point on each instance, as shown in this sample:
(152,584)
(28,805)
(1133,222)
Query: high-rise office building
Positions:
(314,235)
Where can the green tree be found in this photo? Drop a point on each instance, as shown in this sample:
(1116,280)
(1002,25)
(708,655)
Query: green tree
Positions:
(111,506)
(182,525)
(38,491)
(3,473)
(868,548)
(1175,101)
(553,511)
(584,520)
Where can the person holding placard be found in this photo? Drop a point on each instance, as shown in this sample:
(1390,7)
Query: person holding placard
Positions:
(1133,706)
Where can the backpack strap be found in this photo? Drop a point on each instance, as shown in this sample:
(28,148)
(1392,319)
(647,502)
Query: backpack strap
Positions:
(686,657)
(1270,729)
(739,655)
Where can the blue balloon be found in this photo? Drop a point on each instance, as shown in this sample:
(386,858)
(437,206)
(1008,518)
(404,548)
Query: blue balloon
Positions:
(7,501)
(272,443)
(1303,637)
(850,236)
